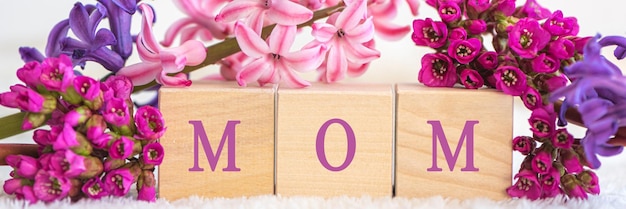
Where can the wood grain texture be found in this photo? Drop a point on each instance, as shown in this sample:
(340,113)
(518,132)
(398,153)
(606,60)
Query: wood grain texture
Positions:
(416,105)
(214,104)
(368,109)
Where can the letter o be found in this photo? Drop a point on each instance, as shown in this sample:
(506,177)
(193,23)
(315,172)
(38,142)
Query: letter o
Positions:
(319,145)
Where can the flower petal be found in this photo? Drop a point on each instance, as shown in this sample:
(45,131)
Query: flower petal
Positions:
(174,29)
(103,38)
(351,15)
(337,64)
(56,36)
(238,9)
(79,22)
(179,80)
(281,39)
(29,54)
(149,46)
(291,79)
(250,42)
(252,71)
(390,31)
(363,32)
(359,53)
(192,51)
(307,59)
(141,73)
(285,12)
(414,6)
(323,32)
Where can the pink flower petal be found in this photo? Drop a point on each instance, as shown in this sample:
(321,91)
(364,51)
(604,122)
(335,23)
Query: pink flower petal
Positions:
(352,15)
(174,29)
(356,69)
(148,46)
(256,21)
(390,31)
(192,50)
(251,72)
(179,80)
(238,9)
(363,32)
(141,73)
(271,76)
(292,80)
(386,10)
(359,53)
(323,32)
(337,64)
(307,59)
(414,6)
(281,39)
(285,12)
(250,42)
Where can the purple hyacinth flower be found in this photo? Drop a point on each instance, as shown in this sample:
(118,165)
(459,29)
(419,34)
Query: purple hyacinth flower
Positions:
(121,148)
(471,79)
(429,33)
(449,11)
(488,60)
(526,37)
(57,73)
(619,41)
(94,188)
(25,166)
(50,186)
(527,185)
(542,121)
(91,45)
(31,54)
(531,98)
(511,80)
(464,51)
(458,33)
(118,182)
(557,25)
(119,14)
(150,123)
(437,71)
(53,47)
(153,154)
(116,112)
(67,163)
(545,64)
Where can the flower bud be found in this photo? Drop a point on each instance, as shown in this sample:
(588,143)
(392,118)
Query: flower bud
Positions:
(25,166)
(93,168)
(33,120)
(78,116)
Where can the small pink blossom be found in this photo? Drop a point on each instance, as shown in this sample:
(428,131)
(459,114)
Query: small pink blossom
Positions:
(150,123)
(199,23)
(590,181)
(476,26)
(153,154)
(121,148)
(116,112)
(23,98)
(527,186)
(510,79)
(437,70)
(87,87)
(571,161)
(542,121)
(30,73)
(488,60)
(542,162)
(524,144)
(449,11)
(67,163)
(507,7)
(557,25)
(550,183)
(464,51)
(12,186)
(429,33)
(94,188)
(159,62)
(458,33)
(571,186)
(562,139)
(561,48)
(118,182)
(25,166)
(50,186)
(555,82)
(532,9)
(527,37)
(147,193)
(57,73)
(531,98)
(116,86)
(253,12)
(471,79)
(478,6)
(66,139)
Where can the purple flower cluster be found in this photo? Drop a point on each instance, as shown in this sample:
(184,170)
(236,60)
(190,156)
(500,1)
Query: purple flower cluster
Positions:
(532,48)
(95,147)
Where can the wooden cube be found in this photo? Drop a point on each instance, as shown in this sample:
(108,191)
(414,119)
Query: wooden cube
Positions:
(219,141)
(335,139)
(453,142)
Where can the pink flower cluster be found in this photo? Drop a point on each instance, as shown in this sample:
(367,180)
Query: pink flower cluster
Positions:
(530,48)
(95,147)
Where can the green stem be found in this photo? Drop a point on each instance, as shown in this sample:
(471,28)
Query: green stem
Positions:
(12,125)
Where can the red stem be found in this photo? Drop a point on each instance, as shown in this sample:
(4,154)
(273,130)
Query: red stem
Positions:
(17,149)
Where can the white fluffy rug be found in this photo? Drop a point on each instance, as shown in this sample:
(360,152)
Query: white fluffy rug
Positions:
(612,180)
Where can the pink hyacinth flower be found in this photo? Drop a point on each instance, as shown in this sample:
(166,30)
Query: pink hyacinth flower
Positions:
(383,12)
(253,13)
(159,62)
(149,122)
(346,36)
(199,22)
(272,60)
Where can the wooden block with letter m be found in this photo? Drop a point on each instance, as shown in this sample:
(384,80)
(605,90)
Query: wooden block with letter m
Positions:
(453,142)
(219,141)
(335,139)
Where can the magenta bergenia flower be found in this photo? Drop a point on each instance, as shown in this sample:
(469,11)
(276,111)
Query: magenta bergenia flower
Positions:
(117,182)
(511,80)
(57,73)
(572,187)
(464,51)
(149,122)
(527,186)
(550,183)
(488,60)
(116,112)
(544,63)
(478,6)
(253,12)
(153,154)
(66,139)
(78,116)
(346,35)
(524,144)
(116,87)
(25,166)
(532,9)
(95,127)
(29,74)
(158,62)
(531,98)
(542,121)
(12,186)
(571,162)
(272,60)
(121,148)
(50,186)
(562,48)
(67,163)
(147,193)
(427,32)
(94,188)
(437,70)
(557,25)
(589,181)
(542,162)
(87,87)
(199,23)
(449,11)
(507,7)
(527,37)
(23,98)
(562,139)
(458,33)
(476,26)
(471,79)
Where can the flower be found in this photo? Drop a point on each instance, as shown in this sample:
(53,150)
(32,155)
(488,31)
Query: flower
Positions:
(471,79)
(149,122)
(589,181)
(147,193)
(542,121)
(542,162)
(437,70)
(550,183)
(153,154)
(524,144)
(272,60)
(562,139)
(119,13)
(199,23)
(572,187)
(50,186)
(30,73)
(87,87)
(531,98)
(488,60)
(158,62)
(533,10)
(116,112)
(464,51)
(429,33)
(476,26)
(66,139)
(449,11)
(117,182)
(458,33)
(478,6)
(510,79)
(570,161)
(346,35)
(527,186)
(121,148)
(23,98)
(78,116)
(67,163)
(559,26)
(57,73)
(506,7)
(561,48)
(545,64)
(94,188)
(282,12)
(25,166)
(527,37)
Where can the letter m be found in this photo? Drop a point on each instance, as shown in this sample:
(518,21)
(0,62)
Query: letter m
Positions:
(466,136)
(201,136)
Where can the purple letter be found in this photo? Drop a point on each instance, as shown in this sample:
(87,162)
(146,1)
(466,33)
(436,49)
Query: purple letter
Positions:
(200,134)
(321,155)
(468,132)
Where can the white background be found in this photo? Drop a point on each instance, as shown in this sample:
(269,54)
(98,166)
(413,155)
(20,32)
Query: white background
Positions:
(27,23)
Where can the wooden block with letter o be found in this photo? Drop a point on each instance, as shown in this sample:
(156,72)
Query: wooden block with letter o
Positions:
(335,139)
(219,141)
(453,142)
